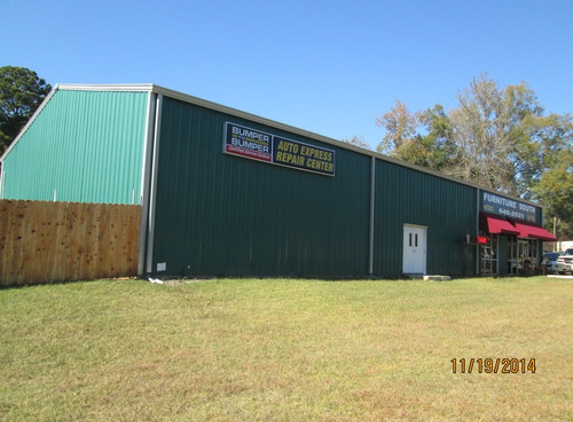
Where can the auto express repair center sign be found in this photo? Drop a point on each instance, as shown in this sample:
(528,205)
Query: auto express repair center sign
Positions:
(257,145)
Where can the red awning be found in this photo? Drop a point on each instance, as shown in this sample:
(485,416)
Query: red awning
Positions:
(535,232)
(496,225)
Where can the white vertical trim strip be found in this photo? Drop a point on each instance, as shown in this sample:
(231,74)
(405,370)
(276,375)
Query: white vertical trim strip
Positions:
(372,216)
(2,183)
(477,249)
(153,186)
(145,179)
(147,143)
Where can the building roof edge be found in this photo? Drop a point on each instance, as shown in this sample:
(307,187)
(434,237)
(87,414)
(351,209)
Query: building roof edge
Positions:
(157,89)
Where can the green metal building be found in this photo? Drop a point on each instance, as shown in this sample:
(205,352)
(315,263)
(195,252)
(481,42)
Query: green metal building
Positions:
(228,193)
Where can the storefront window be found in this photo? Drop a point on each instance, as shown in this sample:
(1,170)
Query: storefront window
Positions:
(522,255)
(488,257)
(512,261)
(527,255)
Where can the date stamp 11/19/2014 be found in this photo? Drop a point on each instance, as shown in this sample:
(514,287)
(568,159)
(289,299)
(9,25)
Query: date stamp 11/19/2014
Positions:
(493,365)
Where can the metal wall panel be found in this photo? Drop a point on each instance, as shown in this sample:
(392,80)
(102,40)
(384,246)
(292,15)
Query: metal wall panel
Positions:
(84,146)
(448,210)
(218,214)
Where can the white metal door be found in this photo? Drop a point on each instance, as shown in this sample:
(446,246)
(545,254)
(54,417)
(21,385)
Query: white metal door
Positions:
(414,257)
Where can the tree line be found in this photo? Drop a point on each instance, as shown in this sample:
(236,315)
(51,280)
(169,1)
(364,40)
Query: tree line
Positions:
(500,138)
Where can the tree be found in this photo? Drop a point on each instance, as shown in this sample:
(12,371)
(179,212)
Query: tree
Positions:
(555,189)
(496,137)
(551,142)
(357,141)
(492,131)
(438,139)
(499,138)
(21,93)
(403,140)
(400,125)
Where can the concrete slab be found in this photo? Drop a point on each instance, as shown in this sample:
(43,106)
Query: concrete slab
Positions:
(429,277)
(437,277)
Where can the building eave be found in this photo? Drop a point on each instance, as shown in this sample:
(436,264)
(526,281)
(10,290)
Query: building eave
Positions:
(157,89)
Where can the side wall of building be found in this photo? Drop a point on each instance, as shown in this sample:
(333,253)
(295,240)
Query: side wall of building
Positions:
(445,209)
(83,146)
(222,215)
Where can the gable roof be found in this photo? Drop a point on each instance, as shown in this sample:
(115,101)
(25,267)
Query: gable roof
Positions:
(159,90)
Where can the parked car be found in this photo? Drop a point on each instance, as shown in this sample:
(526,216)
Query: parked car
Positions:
(549,262)
(565,262)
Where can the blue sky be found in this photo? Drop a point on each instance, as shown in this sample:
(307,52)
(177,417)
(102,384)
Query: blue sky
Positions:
(329,67)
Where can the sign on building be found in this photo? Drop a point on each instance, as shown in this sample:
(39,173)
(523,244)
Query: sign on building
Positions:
(257,145)
(496,204)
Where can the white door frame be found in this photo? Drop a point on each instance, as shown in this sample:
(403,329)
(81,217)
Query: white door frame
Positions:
(414,255)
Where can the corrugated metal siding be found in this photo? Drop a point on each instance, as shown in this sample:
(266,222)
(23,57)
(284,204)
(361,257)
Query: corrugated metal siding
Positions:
(223,215)
(86,146)
(446,208)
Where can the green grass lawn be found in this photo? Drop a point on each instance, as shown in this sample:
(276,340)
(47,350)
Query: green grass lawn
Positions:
(285,350)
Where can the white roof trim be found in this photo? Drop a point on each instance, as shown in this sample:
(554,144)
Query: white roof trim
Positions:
(105,87)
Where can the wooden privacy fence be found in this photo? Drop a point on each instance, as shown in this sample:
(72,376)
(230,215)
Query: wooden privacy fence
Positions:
(56,241)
